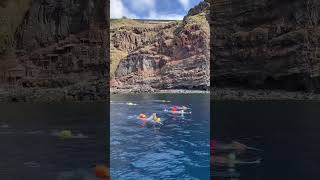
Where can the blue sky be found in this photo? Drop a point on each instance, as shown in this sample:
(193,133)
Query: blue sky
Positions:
(151,9)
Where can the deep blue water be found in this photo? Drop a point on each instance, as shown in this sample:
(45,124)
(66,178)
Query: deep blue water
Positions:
(177,150)
(30,149)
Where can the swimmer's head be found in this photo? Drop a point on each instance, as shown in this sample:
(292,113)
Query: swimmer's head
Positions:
(232,156)
(154,116)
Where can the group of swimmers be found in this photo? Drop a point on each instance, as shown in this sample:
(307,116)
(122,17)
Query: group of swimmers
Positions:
(154,119)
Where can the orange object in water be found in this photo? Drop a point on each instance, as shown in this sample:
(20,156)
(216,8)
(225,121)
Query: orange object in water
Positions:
(142,116)
(174,108)
(102,171)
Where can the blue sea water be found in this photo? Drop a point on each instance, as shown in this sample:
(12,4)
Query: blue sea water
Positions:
(179,149)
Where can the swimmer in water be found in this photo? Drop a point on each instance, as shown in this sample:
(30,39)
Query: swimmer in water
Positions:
(174,108)
(230,160)
(162,101)
(182,112)
(183,107)
(177,108)
(153,119)
(233,146)
(131,104)
(156,119)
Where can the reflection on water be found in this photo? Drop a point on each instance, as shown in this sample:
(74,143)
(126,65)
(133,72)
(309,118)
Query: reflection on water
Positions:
(227,157)
(32,148)
(287,133)
(177,149)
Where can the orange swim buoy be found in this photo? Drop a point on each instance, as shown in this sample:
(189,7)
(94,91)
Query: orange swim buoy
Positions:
(142,116)
(102,171)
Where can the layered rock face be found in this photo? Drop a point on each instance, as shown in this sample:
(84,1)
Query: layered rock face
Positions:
(164,55)
(48,21)
(11,15)
(266,44)
(59,47)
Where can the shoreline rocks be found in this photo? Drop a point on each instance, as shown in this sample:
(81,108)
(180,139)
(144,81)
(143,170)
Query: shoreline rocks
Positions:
(80,92)
(238,94)
(158,91)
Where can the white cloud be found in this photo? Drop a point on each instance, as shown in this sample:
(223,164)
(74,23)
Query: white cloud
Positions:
(118,10)
(155,15)
(142,5)
(185,4)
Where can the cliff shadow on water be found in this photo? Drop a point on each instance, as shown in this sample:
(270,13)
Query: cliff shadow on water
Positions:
(279,137)
(54,141)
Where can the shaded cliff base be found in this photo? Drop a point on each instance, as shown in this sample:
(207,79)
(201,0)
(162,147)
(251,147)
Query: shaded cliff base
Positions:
(80,92)
(150,90)
(239,94)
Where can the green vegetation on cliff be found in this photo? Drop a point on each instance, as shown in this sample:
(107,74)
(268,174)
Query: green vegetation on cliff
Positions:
(117,23)
(124,29)
(198,20)
(116,56)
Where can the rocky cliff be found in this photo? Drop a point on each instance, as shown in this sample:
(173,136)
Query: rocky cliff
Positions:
(162,55)
(11,15)
(266,44)
(57,47)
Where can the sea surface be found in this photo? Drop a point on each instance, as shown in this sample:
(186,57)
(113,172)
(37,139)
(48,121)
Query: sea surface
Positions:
(30,148)
(178,149)
(287,133)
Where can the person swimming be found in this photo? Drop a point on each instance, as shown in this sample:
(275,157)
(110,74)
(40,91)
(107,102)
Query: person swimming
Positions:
(131,104)
(155,119)
(233,146)
(182,112)
(102,172)
(152,119)
(161,101)
(183,107)
(230,160)
(177,108)
(174,108)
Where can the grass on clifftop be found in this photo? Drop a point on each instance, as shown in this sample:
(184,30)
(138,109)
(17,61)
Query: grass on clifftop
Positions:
(117,23)
(198,19)
(116,56)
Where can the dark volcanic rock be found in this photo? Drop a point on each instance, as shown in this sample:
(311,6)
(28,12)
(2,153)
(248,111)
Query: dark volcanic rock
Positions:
(61,52)
(48,21)
(266,44)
